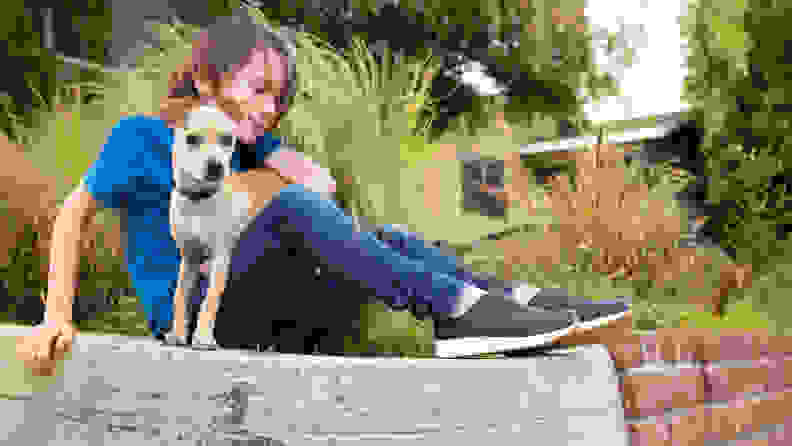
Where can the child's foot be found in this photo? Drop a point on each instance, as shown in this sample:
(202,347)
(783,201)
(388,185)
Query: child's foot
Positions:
(591,314)
(496,324)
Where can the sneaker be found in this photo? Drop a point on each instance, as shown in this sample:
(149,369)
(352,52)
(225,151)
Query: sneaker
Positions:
(590,314)
(495,324)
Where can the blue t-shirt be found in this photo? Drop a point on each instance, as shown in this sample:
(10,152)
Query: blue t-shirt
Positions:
(134,175)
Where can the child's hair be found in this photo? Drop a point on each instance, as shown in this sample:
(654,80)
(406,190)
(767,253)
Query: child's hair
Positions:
(225,48)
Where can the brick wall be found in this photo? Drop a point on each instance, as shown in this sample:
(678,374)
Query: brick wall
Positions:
(689,386)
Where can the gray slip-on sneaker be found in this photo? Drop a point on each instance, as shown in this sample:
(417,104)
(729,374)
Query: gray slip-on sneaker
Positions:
(590,313)
(495,324)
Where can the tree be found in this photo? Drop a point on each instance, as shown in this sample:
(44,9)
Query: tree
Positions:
(738,83)
(544,70)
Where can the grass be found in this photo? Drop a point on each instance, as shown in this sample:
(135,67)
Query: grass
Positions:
(359,120)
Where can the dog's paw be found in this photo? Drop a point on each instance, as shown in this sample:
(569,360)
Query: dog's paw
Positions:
(203,337)
(174,339)
(204,342)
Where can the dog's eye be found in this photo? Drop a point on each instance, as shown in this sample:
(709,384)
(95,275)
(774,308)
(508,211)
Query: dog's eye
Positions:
(193,140)
(226,140)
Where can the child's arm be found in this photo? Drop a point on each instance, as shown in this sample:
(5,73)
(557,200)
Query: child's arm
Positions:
(298,168)
(68,230)
(47,345)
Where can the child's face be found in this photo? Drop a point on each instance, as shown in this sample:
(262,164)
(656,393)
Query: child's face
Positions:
(254,90)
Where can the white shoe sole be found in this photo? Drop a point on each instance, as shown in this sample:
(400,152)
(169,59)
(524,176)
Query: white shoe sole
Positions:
(596,323)
(460,347)
(450,348)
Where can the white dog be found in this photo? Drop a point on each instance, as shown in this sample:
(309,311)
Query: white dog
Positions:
(206,218)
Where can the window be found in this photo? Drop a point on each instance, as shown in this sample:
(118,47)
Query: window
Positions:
(474,199)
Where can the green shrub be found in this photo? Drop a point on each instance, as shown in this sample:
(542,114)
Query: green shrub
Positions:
(738,83)
(22,274)
(63,145)
(26,63)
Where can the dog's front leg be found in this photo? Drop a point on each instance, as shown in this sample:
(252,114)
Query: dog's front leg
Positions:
(218,274)
(186,285)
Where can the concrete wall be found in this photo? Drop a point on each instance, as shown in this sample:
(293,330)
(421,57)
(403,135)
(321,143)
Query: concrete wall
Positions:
(118,390)
(665,388)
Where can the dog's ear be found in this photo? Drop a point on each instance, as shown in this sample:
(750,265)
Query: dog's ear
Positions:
(174,110)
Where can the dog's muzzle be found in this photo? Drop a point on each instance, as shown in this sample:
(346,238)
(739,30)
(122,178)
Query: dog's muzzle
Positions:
(214,171)
(198,195)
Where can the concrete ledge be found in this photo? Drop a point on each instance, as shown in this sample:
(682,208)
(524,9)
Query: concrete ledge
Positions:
(120,390)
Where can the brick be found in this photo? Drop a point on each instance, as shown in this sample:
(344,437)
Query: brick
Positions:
(776,408)
(626,354)
(692,429)
(677,344)
(777,346)
(687,343)
(723,423)
(753,442)
(779,373)
(649,434)
(649,351)
(671,344)
(725,345)
(769,439)
(740,416)
(724,383)
(646,395)
(782,436)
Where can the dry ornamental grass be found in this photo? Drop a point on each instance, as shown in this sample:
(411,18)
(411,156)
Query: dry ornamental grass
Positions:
(630,233)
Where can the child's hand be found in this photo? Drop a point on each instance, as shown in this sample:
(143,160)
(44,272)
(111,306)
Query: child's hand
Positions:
(49,344)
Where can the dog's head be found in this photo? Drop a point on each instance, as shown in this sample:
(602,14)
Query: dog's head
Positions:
(202,150)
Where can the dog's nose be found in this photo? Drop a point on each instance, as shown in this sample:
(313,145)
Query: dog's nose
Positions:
(214,171)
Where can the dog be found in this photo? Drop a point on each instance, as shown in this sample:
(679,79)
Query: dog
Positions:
(206,218)
(209,212)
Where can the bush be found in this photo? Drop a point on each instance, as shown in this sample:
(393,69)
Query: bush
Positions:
(21,277)
(738,83)
(27,64)
(62,146)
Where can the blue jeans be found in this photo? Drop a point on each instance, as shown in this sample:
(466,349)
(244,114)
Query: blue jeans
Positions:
(297,233)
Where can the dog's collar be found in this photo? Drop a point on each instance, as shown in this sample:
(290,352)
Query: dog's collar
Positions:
(197,195)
